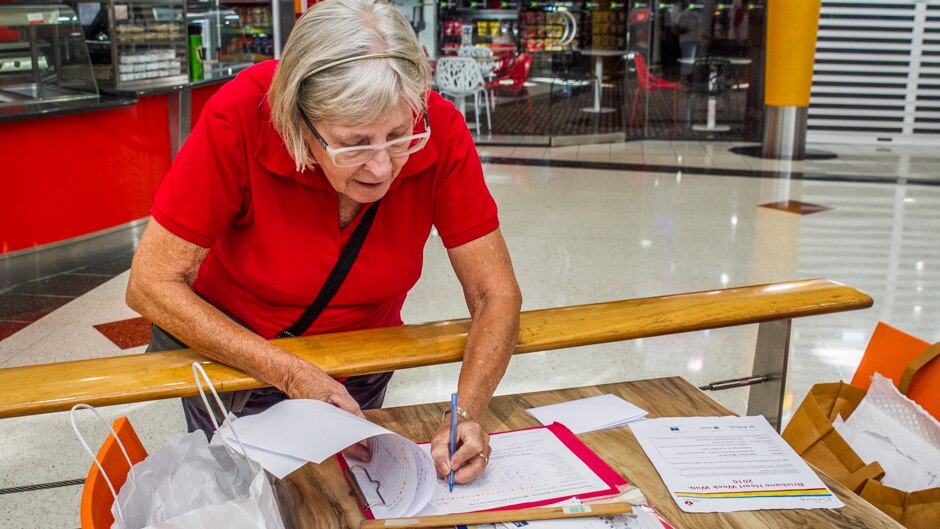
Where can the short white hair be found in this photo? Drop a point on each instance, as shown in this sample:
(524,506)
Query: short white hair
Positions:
(353,93)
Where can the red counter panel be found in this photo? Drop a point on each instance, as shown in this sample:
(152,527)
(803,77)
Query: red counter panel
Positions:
(200,96)
(67,176)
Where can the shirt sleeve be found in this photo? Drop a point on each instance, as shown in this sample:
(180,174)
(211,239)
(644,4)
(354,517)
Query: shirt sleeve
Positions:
(206,188)
(464,210)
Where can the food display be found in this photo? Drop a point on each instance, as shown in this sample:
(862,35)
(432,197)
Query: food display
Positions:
(128,33)
(149,65)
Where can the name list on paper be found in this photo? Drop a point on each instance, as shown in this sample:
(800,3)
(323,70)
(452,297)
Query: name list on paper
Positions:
(726,464)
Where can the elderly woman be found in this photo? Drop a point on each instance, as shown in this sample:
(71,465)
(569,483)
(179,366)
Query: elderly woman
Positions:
(339,145)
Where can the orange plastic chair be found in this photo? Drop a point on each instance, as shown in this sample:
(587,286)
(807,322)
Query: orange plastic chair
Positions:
(96,496)
(897,355)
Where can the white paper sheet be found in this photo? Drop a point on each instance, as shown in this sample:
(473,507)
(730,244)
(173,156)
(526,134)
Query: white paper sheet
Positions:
(726,464)
(279,465)
(895,431)
(901,471)
(589,414)
(290,433)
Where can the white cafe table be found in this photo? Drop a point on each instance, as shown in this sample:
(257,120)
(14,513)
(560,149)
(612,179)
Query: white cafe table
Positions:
(599,76)
(710,125)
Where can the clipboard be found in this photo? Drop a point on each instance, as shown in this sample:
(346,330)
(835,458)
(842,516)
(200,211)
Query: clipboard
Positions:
(367,497)
(370,496)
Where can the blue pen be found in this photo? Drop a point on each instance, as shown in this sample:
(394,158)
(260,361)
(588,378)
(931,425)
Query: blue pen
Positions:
(453,436)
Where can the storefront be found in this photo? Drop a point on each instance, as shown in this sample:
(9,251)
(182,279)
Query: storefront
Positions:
(666,69)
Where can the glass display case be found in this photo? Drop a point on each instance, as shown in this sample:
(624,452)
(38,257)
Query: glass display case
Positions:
(218,44)
(137,44)
(257,18)
(43,56)
(266,23)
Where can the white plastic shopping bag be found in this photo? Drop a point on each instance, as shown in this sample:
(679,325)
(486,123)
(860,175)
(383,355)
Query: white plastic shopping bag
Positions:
(194,484)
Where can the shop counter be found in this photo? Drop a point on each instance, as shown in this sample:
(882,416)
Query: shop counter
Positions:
(84,172)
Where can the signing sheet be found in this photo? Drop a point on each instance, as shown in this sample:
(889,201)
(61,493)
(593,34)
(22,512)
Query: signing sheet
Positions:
(525,466)
(726,464)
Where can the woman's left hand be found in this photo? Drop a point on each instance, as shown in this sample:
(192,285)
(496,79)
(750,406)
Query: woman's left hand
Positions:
(471,457)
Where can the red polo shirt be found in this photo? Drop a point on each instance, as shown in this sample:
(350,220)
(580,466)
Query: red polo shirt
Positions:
(273,232)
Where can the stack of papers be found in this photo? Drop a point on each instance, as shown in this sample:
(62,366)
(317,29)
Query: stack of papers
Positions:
(590,414)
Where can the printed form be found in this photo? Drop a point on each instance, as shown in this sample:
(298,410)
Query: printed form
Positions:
(726,464)
(525,466)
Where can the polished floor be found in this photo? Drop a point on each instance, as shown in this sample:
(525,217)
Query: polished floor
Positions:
(584,224)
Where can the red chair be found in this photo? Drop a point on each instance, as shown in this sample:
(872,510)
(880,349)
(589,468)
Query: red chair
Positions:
(514,83)
(650,83)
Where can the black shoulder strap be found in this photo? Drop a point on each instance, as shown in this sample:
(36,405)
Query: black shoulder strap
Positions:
(340,270)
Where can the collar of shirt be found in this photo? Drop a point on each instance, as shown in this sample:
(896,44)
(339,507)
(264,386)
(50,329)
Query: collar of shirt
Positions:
(273,156)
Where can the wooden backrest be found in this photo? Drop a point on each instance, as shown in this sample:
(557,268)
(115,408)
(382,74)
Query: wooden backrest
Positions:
(134,378)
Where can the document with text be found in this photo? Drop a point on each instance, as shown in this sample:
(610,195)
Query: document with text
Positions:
(527,468)
(726,464)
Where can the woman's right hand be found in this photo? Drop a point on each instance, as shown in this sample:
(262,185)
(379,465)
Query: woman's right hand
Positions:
(307,381)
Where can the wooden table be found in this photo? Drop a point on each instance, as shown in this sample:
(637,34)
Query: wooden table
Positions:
(317,496)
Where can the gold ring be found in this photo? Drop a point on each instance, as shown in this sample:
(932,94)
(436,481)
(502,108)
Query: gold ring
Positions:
(486,460)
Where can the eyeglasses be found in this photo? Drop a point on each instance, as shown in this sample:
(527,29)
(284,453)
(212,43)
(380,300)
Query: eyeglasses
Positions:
(360,154)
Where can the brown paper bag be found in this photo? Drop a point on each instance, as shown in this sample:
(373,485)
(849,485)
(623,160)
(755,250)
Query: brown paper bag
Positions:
(917,510)
(811,434)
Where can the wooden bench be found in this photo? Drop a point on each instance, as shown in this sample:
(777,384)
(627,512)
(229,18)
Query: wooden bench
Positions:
(133,378)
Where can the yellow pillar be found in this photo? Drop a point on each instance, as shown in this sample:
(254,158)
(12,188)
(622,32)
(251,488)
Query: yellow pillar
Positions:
(792,26)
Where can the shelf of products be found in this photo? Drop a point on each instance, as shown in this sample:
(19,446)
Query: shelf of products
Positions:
(136,44)
(257,20)
(608,29)
(533,26)
(549,30)
(218,42)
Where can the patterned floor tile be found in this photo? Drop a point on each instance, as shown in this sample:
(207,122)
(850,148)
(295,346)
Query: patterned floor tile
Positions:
(126,333)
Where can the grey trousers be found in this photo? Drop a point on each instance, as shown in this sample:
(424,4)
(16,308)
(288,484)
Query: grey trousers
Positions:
(367,390)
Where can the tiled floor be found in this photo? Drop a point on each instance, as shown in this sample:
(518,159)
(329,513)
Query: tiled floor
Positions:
(20,305)
(584,224)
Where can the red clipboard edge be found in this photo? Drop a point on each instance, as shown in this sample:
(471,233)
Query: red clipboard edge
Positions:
(608,475)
